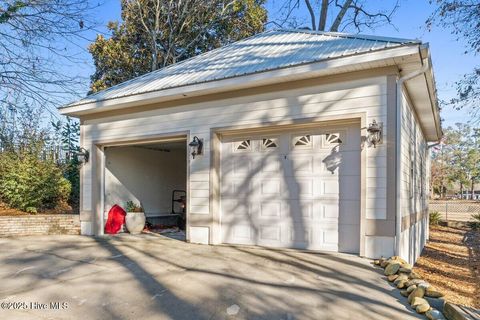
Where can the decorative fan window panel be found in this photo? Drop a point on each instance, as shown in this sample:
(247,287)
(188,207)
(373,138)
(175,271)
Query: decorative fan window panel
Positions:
(269,144)
(302,142)
(243,146)
(331,140)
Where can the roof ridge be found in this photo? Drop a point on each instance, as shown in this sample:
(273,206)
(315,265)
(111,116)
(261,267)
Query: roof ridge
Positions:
(350,35)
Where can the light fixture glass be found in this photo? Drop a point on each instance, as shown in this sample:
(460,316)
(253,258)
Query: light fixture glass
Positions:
(82,156)
(375,133)
(196,147)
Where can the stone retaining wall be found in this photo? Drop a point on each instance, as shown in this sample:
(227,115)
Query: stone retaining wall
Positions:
(40,224)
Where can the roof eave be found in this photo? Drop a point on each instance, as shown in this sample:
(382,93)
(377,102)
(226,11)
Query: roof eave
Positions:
(431,84)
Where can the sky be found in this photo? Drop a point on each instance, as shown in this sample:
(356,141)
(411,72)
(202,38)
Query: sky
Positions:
(450,62)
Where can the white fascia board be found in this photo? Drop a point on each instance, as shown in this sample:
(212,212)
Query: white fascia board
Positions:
(286,74)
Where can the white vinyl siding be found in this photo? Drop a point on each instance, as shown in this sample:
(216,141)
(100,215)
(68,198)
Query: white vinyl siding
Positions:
(414,152)
(414,175)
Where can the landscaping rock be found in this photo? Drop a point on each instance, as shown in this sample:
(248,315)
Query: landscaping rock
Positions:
(400,278)
(418,301)
(418,292)
(433,314)
(398,259)
(407,266)
(376,262)
(414,275)
(437,303)
(454,312)
(405,270)
(401,284)
(392,277)
(430,292)
(422,308)
(404,293)
(415,282)
(392,268)
(411,288)
(384,263)
(425,285)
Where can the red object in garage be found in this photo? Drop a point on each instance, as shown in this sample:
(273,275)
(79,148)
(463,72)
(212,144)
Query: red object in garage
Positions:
(116,218)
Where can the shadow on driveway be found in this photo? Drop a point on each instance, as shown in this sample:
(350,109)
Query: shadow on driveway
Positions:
(152,277)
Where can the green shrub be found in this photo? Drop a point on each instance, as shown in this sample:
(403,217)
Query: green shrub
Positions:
(435,218)
(71,172)
(131,206)
(31,209)
(27,181)
(475,224)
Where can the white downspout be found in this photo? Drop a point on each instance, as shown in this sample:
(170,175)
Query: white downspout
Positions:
(398,171)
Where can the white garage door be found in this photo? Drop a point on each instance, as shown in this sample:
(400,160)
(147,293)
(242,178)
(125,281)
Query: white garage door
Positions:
(292,190)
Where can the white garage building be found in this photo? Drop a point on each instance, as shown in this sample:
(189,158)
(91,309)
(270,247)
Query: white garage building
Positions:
(289,155)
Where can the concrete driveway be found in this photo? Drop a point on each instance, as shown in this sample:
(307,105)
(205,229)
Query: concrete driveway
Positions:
(153,277)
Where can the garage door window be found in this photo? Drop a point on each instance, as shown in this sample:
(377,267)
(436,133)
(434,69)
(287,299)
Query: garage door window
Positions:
(304,141)
(332,139)
(242,146)
(269,144)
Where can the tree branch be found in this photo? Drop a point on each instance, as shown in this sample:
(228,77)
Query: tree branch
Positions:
(341,14)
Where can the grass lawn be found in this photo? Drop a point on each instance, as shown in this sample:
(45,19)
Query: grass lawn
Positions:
(451,262)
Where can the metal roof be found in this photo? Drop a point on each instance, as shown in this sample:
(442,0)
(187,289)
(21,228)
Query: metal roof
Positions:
(266,51)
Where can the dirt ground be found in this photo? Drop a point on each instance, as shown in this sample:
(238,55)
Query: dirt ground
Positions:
(451,263)
(6,211)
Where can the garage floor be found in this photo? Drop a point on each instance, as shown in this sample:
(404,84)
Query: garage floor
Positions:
(153,277)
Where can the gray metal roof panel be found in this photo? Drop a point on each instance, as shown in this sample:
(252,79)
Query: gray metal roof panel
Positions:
(266,51)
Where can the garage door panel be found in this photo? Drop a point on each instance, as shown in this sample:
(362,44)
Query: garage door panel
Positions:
(272,165)
(236,188)
(241,166)
(330,212)
(329,187)
(288,196)
(270,233)
(270,187)
(299,235)
(242,232)
(236,207)
(268,210)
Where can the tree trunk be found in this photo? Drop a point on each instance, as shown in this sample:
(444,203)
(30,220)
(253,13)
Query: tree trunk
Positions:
(323,16)
(341,14)
(471,189)
(461,190)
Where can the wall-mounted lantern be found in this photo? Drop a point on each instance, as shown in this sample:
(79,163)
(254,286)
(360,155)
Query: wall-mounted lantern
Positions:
(196,146)
(82,156)
(375,133)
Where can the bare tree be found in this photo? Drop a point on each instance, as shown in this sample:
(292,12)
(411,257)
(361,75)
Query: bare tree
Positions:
(176,27)
(342,14)
(39,40)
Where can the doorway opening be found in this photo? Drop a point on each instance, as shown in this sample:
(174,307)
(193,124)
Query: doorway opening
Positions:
(152,176)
